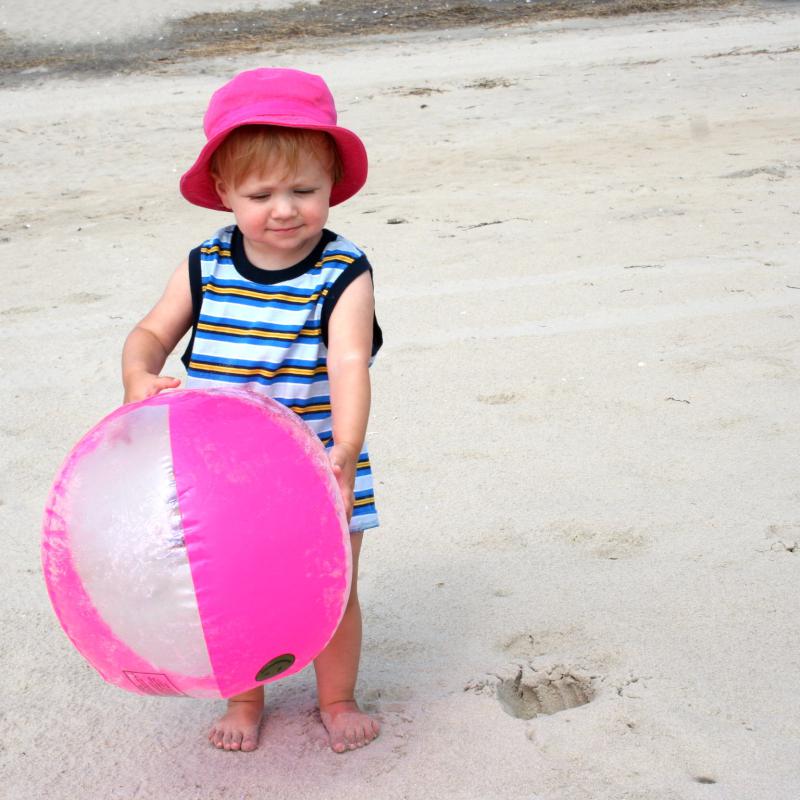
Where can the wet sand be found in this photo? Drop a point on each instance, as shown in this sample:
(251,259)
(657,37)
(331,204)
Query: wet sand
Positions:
(220,33)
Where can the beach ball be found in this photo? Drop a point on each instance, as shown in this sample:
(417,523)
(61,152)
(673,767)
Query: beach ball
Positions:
(196,543)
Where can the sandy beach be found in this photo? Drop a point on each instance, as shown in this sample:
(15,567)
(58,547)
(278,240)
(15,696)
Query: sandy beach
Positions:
(584,430)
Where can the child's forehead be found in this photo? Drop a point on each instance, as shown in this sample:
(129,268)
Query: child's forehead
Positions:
(281,170)
(279,165)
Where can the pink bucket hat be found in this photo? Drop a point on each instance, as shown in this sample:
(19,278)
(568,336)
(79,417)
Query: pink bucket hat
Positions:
(287,98)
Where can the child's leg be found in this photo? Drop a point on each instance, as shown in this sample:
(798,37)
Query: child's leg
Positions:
(238,728)
(337,668)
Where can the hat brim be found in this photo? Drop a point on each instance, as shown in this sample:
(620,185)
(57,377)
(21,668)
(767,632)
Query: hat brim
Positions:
(197,184)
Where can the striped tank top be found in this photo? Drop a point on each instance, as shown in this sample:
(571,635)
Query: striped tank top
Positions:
(267,331)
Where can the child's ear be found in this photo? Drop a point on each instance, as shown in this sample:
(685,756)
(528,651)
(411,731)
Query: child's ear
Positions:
(222,191)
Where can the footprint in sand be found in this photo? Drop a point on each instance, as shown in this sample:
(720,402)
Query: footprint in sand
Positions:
(600,541)
(525,691)
(531,692)
(500,399)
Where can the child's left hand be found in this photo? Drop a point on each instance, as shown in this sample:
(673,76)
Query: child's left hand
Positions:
(343,463)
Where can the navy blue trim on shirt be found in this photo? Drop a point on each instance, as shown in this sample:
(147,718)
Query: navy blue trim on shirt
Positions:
(350,273)
(271,277)
(196,287)
(253,273)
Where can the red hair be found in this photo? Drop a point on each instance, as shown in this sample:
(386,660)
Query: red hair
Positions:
(259,148)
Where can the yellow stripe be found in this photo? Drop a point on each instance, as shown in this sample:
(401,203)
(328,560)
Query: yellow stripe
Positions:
(230,290)
(338,257)
(266,373)
(300,410)
(362,464)
(215,249)
(206,326)
(225,253)
(365,501)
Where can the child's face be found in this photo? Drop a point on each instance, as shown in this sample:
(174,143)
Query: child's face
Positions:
(280,214)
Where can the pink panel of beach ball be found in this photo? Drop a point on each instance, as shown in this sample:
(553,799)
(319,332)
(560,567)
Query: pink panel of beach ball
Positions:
(195,543)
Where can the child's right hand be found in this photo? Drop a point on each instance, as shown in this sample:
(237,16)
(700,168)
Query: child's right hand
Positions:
(152,340)
(141,385)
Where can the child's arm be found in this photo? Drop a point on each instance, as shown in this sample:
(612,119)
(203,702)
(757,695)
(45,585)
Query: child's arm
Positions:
(154,338)
(349,352)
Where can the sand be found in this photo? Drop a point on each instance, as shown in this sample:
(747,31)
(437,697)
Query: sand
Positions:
(74,21)
(585,238)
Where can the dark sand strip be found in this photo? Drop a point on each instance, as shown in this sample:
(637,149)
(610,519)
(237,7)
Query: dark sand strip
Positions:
(227,33)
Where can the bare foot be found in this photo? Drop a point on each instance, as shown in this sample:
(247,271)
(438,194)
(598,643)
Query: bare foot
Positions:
(237,728)
(348,726)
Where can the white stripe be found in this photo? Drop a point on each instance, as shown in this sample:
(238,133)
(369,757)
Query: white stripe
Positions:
(127,543)
(261,352)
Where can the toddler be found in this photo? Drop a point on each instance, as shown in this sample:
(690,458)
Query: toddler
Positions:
(279,304)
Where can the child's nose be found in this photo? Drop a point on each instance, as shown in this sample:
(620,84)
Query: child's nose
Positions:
(283,205)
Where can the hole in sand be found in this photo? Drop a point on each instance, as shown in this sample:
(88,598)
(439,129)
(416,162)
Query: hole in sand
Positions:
(532,692)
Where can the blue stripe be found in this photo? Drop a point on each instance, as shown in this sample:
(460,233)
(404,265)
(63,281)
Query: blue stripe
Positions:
(355,254)
(243,364)
(228,337)
(305,402)
(246,325)
(360,511)
(311,415)
(267,288)
(256,301)
(262,379)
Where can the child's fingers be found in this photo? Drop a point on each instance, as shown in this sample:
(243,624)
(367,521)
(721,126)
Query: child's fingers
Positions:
(166,382)
(336,460)
(345,489)
(150,388)
(348,505)
(160,383)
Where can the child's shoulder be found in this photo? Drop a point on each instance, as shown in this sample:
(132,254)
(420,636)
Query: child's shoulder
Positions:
(220,237)
(340,245)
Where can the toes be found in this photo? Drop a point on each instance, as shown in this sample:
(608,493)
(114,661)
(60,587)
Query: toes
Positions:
(349,730)
(229,739)
(362,733)
(234,739)
(357,738)
(355,735)
(338,740)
